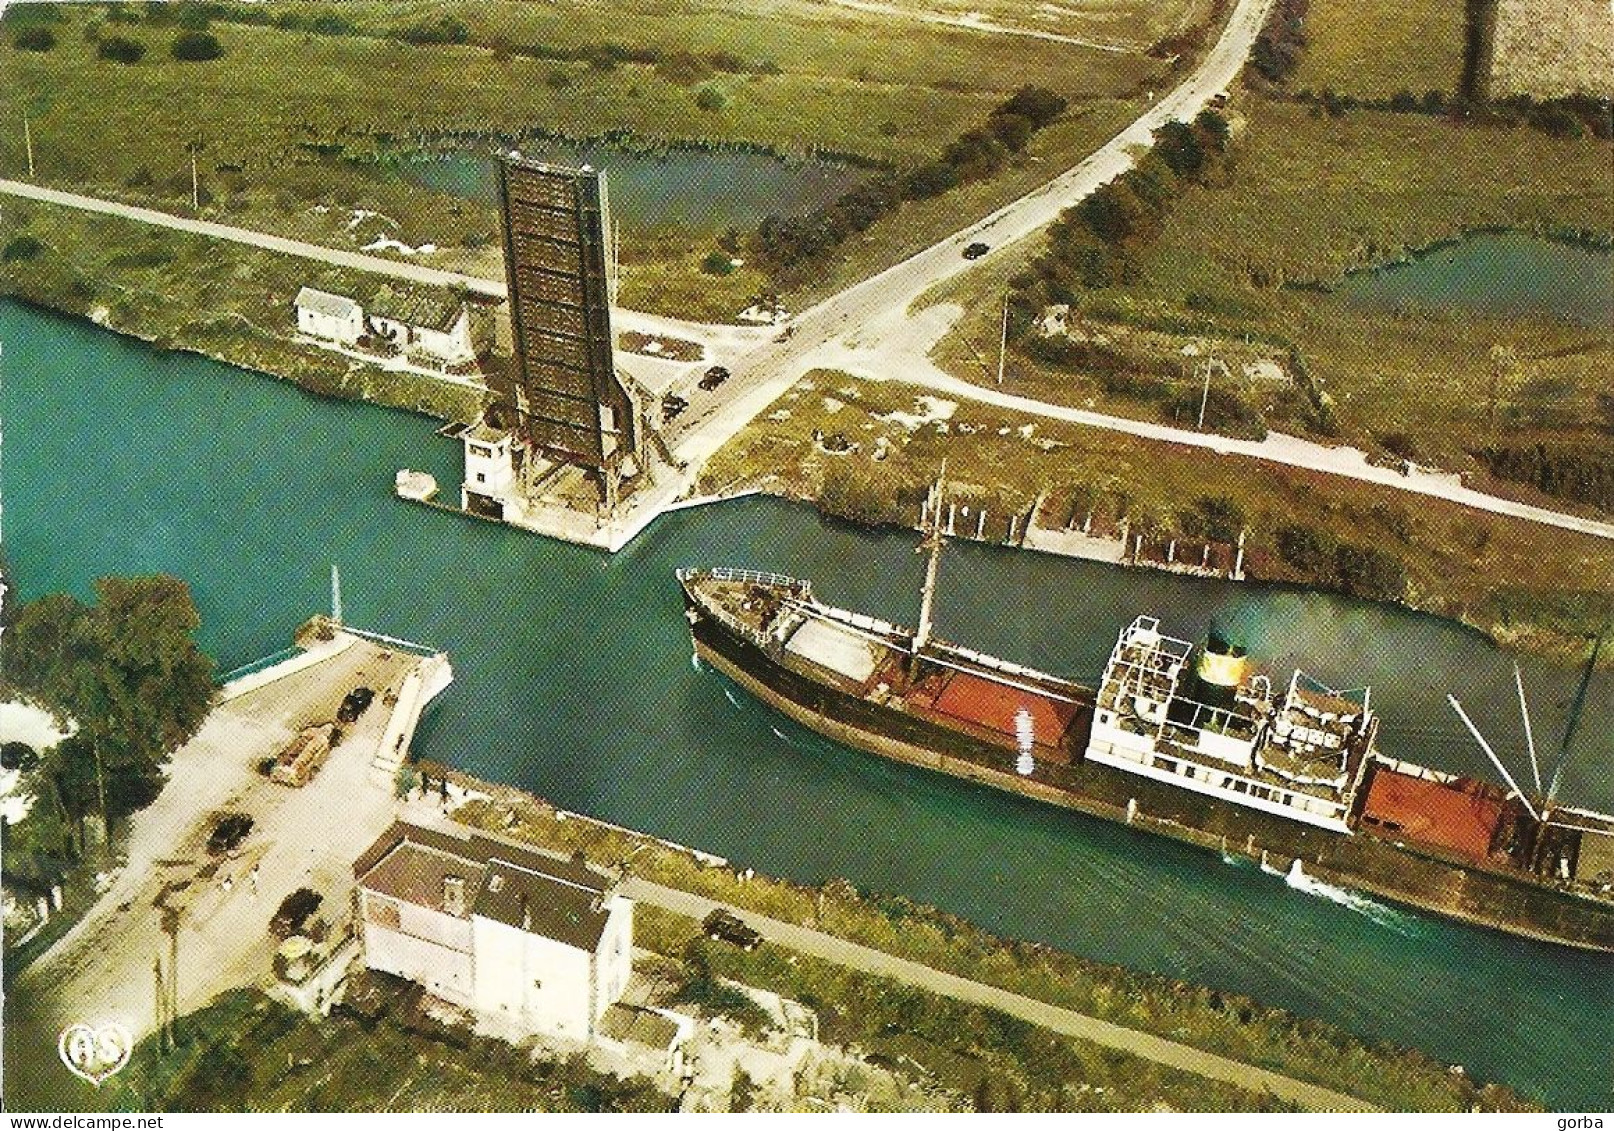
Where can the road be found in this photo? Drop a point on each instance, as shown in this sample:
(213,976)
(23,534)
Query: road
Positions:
(106,966)
(873,328)
(1056,1018)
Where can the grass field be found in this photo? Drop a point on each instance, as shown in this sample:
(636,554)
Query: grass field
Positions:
(1371,49)
(1312,197)
(1536,586)
(795,77)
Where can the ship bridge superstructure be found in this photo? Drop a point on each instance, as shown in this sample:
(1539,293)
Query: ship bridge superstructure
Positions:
(1194,716)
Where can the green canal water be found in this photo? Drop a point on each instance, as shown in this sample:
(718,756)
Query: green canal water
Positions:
(575,680)
(1494,273)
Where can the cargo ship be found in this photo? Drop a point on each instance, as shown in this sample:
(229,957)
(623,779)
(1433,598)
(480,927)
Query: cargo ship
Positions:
(1181,739)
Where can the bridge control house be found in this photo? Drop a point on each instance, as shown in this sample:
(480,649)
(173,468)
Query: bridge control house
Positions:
(524,940)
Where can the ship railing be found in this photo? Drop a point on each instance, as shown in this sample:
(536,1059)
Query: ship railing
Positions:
(752,576)
(1226,782)
(1007,666)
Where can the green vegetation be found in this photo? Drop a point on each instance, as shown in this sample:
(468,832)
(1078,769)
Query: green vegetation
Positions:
(196,47)
(34,39)
(1520,582)
(992,1061)
(790,243)
(796,79)
(1374,48)
(1241,269)
(120,50)
(223,300)
(1228,1024)
(248,1053)
(127,673)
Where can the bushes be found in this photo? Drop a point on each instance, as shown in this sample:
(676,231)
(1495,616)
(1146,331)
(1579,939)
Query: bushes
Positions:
(1361,571)
(197,47)
(120,50)
(1577,472)
(34,39)
(1282,42)
(21,249)
(446,29)
(710,100)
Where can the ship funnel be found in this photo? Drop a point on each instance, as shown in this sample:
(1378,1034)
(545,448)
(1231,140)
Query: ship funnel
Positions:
(1220,671)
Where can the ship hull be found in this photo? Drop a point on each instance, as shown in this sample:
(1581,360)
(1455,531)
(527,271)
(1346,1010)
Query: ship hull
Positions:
(1361,863)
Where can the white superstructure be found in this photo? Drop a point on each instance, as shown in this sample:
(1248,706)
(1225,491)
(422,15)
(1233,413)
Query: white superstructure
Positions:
(1192,716)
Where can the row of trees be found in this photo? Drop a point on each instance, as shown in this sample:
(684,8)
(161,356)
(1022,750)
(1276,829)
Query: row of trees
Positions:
(1578,472)
(789,241)
(127,672)
(1092,244)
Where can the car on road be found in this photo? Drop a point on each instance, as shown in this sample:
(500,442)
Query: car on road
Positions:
(1219,101)
(294,911)
(724,926)
(230,831)
(672,405)
(357,702)
(976,250)
(714,377)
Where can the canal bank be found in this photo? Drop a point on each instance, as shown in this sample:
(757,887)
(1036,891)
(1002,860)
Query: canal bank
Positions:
(574,681)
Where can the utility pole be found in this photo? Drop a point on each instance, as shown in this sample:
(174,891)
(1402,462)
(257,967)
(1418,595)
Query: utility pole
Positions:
(28,143)
(1204,395)
(1003,340)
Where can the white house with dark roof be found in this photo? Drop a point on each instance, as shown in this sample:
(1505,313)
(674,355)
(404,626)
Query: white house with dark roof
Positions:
(524,940)
(433,328)
(336,318)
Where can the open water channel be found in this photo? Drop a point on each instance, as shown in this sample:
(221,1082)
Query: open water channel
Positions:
(575,681)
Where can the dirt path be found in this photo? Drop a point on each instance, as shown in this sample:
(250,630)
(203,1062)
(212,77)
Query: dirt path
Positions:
(1053,1017)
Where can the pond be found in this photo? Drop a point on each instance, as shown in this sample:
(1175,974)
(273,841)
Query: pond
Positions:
(703,190)
(1495,273)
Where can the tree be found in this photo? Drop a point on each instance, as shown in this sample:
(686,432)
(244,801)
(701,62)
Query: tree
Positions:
(34,39)
(197,47)
(1178,145)
(119,49)
(1366,571)
(1036,103)
(127,672)
(21,248)
(710,99)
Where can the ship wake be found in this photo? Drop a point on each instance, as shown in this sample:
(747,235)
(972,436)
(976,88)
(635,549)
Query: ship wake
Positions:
(1371,909)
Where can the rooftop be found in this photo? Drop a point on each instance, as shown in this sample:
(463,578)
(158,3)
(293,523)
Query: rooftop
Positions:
(433,309)
(335,306)
(559,899)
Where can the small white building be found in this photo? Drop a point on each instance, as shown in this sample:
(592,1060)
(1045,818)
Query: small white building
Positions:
(434,328)
(524,940)
(490,472)
(336,318)
(434,325)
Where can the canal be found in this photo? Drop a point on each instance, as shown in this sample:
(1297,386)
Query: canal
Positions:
(575,681)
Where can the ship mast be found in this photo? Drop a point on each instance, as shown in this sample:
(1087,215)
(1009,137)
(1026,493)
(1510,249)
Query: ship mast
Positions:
(927,596)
